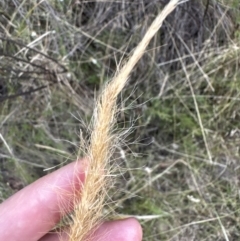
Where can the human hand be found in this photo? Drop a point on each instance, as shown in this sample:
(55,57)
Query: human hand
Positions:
(32,212)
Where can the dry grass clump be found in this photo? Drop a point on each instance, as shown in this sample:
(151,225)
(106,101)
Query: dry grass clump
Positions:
(198,24)
(70,48)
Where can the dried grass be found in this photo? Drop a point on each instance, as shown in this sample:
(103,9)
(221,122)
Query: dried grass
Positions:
(88,212)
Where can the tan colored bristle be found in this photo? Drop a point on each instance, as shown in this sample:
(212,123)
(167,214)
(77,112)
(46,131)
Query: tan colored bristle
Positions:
(88,209)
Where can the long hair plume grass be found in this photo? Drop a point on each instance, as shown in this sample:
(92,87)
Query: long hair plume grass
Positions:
(88,209)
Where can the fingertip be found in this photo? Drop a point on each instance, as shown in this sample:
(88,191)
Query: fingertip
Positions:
(120,230)
(138,228)
(134,229)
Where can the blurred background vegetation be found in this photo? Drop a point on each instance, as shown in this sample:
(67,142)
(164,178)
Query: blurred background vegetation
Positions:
(181,158)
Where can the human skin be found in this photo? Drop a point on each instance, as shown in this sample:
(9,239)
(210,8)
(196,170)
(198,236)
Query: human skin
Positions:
(31,213)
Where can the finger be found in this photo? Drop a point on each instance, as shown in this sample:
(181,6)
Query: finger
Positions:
(121,230)
(33,211)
